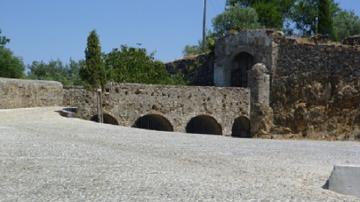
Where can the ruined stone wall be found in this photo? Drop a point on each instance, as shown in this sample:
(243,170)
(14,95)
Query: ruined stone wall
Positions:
(178,104)
(198,70)
(316,90)
(257,43)
(16,93)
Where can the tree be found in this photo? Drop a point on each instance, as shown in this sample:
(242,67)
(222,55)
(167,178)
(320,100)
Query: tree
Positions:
(93,73)
(234,19)
(271,13)
(346,23)
(325,24)
(134,65)
(10,65)
(3,40)
(55,70)
(305,13)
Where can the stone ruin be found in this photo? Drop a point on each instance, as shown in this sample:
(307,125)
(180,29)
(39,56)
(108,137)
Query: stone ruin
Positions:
(256,83)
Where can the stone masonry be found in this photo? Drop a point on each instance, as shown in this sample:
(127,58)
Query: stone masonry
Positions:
(15,93)
(177,104)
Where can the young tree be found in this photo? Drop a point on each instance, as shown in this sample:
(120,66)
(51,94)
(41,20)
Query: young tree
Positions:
(93,73)
(325,23)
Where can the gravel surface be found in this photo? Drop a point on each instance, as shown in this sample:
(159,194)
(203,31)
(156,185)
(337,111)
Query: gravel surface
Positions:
(45,157)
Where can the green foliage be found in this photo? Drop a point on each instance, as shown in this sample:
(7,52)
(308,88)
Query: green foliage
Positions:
(93,73)
(134,65)
(235,18)
(271,13)
(56,71)
(197,49)
(304,14)
(325,24)
(3,40)
(10,65)
(346,23)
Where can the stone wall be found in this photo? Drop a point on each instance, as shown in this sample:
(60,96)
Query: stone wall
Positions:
(198,70)
(178,104)
(256,43)
(316,90)
(15,93)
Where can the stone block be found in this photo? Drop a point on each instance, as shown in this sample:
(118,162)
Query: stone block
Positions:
(345,180)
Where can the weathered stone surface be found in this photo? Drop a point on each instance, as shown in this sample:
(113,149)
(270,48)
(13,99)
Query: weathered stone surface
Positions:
(198,70)
(316,90)
(16,93)
(353,40)
(178,104)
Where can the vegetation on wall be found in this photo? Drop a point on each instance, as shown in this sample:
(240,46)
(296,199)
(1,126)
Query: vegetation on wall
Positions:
(135,65)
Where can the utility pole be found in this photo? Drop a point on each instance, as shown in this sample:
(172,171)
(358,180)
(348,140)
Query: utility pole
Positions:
(204,26)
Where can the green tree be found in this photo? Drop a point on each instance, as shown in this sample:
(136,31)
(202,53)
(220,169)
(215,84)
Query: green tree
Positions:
(271,13)
(234,19)
(134,65)
(346,23)
(325,24)
(305,14)
(10,65)
(93,73)
(3,40)
(55,70)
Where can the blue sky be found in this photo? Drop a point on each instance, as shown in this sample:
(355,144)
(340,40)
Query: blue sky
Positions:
(49,29)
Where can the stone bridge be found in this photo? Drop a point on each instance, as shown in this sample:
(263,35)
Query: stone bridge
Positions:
(191,109)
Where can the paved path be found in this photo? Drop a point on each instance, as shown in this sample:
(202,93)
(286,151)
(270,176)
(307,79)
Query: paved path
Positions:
(46,157)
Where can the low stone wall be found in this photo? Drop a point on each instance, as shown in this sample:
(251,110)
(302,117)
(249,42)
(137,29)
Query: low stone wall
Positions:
(316,90)
(178,104)
(16,93)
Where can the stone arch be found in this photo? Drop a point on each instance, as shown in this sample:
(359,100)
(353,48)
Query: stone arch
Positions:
(153,122)
(204,124)
(241,127)
(108,119)
(242,62)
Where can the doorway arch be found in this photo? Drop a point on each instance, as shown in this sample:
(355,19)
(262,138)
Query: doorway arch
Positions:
(204,124)
(108,119)
(241,127)
(153,122)
(242,62)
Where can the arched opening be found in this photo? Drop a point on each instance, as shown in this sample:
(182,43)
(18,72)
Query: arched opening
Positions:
(154,122)
(241,127)
(108,119)
(204,125)
(241,64)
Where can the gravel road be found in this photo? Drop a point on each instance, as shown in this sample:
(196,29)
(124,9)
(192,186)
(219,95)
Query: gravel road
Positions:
(45,157)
